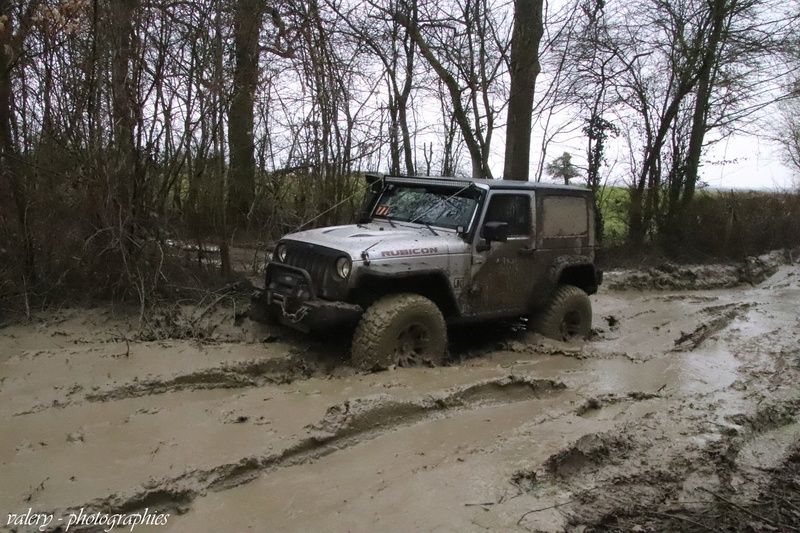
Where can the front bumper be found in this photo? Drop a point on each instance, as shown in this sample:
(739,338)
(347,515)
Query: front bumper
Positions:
(290,298)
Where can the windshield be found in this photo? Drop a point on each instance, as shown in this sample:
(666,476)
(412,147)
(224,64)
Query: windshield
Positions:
(438,206)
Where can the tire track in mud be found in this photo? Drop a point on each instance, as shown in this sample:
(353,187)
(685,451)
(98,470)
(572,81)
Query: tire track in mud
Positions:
(343,426)
(725,314)
(596,403)
(255,373)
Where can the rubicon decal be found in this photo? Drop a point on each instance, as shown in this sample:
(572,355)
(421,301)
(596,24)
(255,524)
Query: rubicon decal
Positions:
(412,251)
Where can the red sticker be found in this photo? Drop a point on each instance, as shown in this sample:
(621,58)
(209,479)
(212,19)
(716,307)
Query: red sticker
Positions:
(382,210)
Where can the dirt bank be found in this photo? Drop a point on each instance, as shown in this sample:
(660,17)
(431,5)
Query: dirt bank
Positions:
(679,414)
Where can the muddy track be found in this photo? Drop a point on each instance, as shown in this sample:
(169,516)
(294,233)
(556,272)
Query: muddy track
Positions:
(343,426)
(722,315)
(679,403)
(256,373)
(589,451)
(669,276)
(227,376)
(616,484)
(596,403)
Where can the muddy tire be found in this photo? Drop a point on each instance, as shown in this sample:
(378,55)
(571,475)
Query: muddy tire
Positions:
(568,317)
(402,330)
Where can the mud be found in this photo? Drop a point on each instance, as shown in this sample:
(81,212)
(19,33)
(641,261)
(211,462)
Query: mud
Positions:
(226,376)
(670,276)
(681,413)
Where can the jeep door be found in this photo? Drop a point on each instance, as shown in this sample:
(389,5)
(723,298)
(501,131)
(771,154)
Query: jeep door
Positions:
(502,276)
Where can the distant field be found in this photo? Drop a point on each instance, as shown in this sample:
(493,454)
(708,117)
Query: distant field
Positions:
(613,202)
(721,223)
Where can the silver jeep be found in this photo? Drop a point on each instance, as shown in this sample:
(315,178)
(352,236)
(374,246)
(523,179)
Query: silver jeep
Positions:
(429,252)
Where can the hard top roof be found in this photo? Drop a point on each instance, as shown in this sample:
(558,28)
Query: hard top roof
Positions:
(492,184)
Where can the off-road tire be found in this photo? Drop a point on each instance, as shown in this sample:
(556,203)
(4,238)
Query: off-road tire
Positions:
(568,316)
(400,329)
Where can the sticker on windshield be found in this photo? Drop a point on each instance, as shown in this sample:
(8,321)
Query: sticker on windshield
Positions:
(382,210)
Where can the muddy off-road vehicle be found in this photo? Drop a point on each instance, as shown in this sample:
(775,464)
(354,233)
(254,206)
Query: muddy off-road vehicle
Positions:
(430,252)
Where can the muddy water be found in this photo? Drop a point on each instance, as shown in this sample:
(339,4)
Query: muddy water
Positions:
(239,434)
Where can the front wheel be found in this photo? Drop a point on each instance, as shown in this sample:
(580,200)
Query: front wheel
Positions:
(568,316)
(402,330)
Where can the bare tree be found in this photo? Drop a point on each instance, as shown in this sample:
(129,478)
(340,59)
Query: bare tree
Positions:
(12,34)
(465,50)
(678,73)
(524,67)
(247,19)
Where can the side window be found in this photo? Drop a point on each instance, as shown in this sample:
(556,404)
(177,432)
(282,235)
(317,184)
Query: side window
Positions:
(514,209)
(564,216)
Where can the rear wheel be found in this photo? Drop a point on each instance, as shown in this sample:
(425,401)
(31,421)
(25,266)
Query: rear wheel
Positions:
(568,316)
(402,330)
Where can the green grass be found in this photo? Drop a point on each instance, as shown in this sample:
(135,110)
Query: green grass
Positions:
(613,203)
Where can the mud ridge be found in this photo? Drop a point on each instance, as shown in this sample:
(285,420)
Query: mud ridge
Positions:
(227,376)
(590,450)
(254,373)
(701,482)
(343,426)
(596,403)
(768,417)
(723,454)
(533,343)
(651,505)
(692,340)
(670,276)
(382,412)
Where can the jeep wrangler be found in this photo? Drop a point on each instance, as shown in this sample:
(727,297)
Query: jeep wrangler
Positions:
(430,252)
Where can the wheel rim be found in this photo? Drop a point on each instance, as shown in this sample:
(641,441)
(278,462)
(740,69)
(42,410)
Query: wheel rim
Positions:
(412,343)
(571,326)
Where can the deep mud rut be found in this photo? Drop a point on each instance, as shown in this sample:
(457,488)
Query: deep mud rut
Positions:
(681,399)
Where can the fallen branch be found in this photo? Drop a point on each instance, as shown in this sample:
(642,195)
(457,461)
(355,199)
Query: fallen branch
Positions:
(747,511)
(554,506)
(681,517)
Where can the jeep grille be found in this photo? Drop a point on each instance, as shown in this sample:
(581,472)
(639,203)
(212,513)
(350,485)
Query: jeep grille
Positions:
(319,262)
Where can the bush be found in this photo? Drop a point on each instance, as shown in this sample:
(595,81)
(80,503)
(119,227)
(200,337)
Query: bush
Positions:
(718,226)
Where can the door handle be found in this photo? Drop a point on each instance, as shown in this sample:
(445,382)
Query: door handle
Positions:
(526,250)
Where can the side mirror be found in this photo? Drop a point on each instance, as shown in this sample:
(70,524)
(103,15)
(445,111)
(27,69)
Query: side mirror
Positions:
(495,232)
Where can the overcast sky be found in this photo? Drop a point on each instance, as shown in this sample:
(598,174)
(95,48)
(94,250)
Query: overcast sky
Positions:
(759,166)
(739,162)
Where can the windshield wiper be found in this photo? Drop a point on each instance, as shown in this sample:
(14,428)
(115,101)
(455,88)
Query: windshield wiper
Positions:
(430,228)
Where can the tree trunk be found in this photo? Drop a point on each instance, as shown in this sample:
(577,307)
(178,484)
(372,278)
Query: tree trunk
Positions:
(123,104)
(9,170)
(524,68)
(718,14)
(241,179)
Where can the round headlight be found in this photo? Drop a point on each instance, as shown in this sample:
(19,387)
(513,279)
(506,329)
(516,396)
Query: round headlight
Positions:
(343,265)
(280,253)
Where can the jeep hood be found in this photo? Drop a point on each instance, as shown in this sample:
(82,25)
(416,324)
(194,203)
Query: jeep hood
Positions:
(381,240)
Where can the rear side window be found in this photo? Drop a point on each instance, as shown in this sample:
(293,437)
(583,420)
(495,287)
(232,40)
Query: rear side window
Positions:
(564,216)
(514,209)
